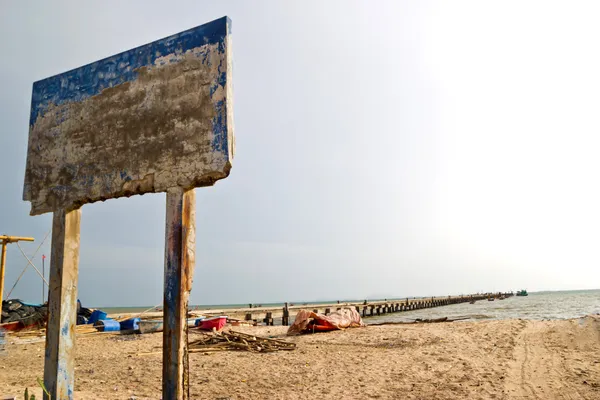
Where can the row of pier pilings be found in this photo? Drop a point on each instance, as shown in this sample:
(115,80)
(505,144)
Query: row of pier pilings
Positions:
(370,309)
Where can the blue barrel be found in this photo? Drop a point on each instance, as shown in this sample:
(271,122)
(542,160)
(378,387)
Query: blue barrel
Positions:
(96,316)
(108,325)
(130,324)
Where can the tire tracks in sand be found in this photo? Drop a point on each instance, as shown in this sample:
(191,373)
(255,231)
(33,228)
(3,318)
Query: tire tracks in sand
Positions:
(538,370)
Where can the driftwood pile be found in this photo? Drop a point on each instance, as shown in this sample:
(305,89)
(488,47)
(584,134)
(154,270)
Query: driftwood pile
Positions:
(230,340)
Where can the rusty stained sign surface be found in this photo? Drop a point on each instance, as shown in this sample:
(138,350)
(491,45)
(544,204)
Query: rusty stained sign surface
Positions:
(152,118)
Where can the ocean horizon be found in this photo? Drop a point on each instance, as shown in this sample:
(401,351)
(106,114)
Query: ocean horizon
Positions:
(569,300)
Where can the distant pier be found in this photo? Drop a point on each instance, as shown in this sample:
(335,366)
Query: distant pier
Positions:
(284,315)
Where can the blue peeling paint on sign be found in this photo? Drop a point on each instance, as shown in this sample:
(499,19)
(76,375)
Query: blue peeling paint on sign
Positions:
(89,80)
(145,120)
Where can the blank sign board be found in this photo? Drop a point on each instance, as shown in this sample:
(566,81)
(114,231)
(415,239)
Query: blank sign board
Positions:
(152,118)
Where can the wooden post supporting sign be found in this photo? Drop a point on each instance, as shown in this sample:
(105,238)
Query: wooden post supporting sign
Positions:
(180,245)
(62,305)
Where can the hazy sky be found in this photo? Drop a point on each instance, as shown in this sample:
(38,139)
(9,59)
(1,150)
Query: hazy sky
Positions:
(384,149)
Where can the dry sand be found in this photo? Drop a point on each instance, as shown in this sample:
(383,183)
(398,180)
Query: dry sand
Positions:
(460,360)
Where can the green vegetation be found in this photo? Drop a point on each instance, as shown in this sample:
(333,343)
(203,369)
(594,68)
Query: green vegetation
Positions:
(32,397)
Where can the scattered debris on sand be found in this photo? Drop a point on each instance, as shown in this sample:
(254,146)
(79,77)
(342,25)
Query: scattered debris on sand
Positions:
(230,340)
(421,321)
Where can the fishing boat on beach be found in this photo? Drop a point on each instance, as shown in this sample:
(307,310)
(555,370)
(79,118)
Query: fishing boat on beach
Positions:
(208,324)
(150,326)
(156,325)
(16,326)
(522,293)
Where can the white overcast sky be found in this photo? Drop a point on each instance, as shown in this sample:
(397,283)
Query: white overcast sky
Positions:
(384,149)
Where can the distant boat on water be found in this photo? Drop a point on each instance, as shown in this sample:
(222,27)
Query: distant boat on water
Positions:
(522,293)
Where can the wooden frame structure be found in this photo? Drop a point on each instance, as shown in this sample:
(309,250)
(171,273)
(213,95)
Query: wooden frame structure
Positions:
(4,241)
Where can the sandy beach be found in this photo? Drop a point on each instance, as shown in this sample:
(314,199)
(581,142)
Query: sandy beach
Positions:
(512,359)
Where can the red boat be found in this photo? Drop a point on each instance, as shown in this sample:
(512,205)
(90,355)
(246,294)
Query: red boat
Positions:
(16,326)
(208,324)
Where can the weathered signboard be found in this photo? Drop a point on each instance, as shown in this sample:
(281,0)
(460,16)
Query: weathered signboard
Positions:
(145,120)
(157,118)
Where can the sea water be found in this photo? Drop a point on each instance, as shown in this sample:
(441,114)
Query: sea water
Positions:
(538,305)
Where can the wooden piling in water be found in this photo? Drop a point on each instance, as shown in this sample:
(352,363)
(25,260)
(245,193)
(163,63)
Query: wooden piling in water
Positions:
(268,320)
(285,319)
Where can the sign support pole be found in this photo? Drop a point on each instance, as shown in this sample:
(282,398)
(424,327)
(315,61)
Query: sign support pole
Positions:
(180,249)
(59,365)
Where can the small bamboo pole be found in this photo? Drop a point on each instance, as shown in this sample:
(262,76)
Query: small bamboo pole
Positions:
(5,240)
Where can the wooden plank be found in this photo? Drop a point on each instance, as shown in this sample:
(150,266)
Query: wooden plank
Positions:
(59,364)
(180,245)
(12,239)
